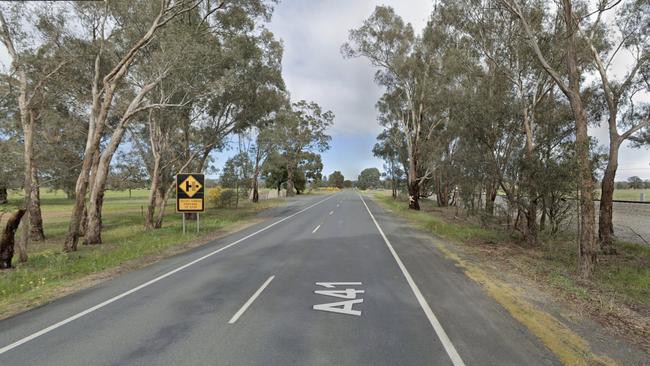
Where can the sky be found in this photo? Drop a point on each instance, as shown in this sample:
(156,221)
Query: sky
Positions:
(314,69)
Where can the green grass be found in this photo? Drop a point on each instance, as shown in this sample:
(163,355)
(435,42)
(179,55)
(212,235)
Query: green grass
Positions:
(459,232)
(625,276)
(124,239)
(629,194)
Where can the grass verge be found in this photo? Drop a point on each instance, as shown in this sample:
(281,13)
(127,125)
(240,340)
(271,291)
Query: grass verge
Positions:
(618,295)
(51,273)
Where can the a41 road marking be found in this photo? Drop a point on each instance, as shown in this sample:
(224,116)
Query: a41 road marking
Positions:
(340,307)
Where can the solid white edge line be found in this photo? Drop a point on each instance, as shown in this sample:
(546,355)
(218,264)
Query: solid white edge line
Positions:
(148,283)
(316,229)
(437,327)
(250,301)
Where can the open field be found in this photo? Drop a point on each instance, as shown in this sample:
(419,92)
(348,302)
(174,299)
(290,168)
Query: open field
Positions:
(618,294)
(630,219)
(49,271)
(628,194)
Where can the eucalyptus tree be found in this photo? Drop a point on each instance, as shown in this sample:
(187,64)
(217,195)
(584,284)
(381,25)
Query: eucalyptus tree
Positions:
(408,68)
(274,171)
(627,114)
(336,179)
(177,47)
(236,174)
(369,178)
(500,39)
(300,131)
(260,151)
(31,36)
(569,80)
(391,148)
(115,29)
(312,167)
(235,84)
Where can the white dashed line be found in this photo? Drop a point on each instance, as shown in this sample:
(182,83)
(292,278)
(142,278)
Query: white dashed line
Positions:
(146,284)
(250,301)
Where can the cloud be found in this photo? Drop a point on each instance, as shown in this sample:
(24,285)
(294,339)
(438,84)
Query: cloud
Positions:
(314,68)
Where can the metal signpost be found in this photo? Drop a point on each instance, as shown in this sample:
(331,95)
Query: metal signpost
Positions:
(190,195)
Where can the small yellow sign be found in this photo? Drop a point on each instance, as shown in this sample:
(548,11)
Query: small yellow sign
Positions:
(191,186)
(190,204)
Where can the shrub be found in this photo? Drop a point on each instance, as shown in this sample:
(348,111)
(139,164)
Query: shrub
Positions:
(227,198)
(214,194)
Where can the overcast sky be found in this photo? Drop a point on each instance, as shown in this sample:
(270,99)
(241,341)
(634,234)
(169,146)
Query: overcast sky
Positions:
(313,68)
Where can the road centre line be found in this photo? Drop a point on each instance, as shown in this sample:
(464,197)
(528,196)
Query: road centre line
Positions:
(146,284)
(316,229)
(437,327)
(248,303)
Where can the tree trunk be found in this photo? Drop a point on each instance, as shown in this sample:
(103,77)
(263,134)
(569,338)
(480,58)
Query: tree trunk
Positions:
(27,119)
(605,224)
(256,175)
(81,188)
(36,232)
(393,183)
(237,194)
(490,198)
(3,195)
(7,240)
(542,220)
(588,245)
(530,232)
(413,185)
(94,229)
(153,193)
(414,195)
(256,193)
(93,233)
(162,204)
(290,190)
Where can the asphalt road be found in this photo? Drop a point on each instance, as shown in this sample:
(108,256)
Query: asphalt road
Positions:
(249,299)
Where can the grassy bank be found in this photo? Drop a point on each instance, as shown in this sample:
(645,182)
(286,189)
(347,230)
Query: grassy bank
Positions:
(49,271)
(618,295)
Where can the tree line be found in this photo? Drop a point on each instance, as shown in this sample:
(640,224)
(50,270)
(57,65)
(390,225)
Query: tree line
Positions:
(497,96)
(128,93)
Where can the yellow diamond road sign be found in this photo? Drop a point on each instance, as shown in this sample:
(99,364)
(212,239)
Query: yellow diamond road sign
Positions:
(190,186)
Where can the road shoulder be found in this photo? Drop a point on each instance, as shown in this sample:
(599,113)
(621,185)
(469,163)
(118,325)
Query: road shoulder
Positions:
(573,339)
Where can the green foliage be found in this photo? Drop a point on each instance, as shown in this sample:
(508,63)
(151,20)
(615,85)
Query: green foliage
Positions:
(237,172)
(128,173)
(227,198)
(369,178)
(635,182)
(336,179)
